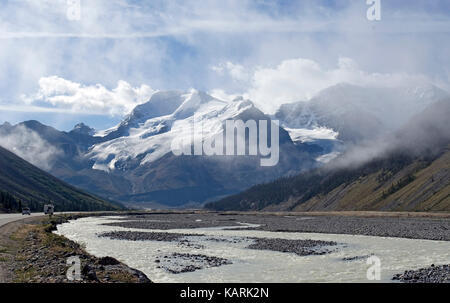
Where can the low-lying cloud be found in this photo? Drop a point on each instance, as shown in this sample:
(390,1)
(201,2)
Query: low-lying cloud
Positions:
(425,135)
(301,79)
(28,145)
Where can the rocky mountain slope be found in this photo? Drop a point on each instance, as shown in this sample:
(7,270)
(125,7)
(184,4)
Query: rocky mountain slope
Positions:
(408,170)
(133,162)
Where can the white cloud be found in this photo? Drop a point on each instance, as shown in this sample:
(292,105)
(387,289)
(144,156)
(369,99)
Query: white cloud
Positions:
(289,81)
(300,79)
(236,71)
(28,145)
(120,19)
(121,40)
(78,98)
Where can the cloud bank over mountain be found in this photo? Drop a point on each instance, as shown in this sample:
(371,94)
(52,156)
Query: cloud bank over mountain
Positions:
(301,79)
(268,87)
(230,47)
(62,93)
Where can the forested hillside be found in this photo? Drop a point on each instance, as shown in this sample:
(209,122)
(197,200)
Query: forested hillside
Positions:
(22,184)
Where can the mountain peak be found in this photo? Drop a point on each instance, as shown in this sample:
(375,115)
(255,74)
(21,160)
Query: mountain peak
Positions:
(6,124)
(192,102)
(82,128)
(179,104)
(166,106)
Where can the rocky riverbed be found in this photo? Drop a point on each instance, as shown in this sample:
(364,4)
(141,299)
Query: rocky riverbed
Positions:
(144,236)
(432,274)
(173,221)
(166,245)
(299,247)
(176,263)
(384,226)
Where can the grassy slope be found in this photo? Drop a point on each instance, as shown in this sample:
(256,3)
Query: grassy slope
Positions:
(429,191)
(412,174)
(395,183)
(29,183)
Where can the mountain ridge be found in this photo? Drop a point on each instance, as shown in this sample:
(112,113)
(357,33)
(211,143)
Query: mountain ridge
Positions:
(411,172)
(132,162)
(34,187)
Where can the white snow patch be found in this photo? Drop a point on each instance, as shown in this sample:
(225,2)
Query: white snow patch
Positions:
(154,136)
(309,135)
(327,157)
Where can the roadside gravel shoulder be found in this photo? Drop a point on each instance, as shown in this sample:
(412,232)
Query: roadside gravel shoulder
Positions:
(8,246)
(31,253)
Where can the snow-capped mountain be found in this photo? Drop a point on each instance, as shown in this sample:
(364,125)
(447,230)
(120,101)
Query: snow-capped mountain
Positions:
(148,131)
(146,137)
(139,149)
(359,113)
(133,161)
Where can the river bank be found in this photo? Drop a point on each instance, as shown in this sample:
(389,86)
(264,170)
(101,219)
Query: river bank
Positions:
(31,253)
(243,247)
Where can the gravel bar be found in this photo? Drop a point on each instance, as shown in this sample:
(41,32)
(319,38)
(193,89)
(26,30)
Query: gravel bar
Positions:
(299,247)
(177,263)
(387,226)
(181,222)
(144,236)
(432,274)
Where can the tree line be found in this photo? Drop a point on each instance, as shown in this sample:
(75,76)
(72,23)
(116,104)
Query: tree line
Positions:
(9,203)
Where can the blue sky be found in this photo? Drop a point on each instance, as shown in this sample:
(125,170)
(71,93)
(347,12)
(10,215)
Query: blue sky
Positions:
(61,71)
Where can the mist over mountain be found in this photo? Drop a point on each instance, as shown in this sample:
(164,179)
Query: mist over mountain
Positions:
(358,113)
(407,169)
(27,144)
(343,126)
(133,161)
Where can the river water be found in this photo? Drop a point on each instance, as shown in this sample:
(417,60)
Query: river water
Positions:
(248,265)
